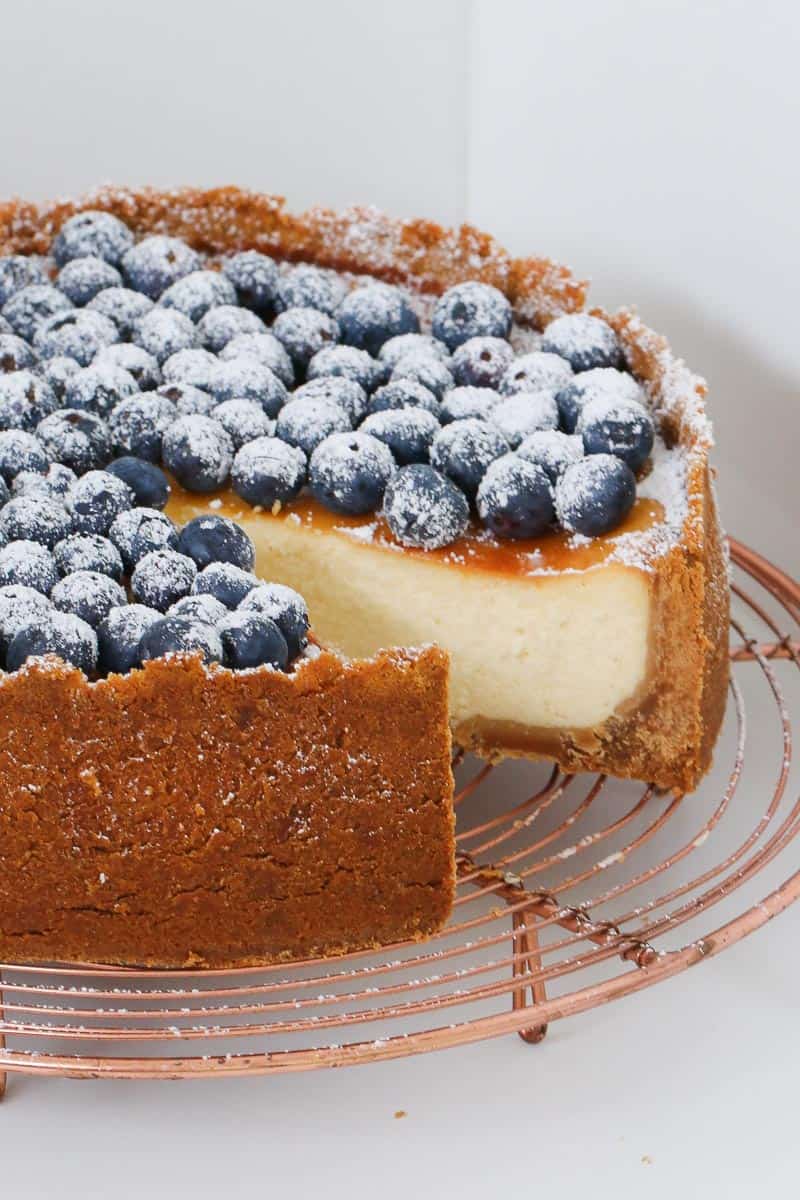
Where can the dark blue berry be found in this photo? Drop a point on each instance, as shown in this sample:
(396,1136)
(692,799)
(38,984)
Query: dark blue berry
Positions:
(348,472)
(225,322)
(213,539)
(35,519)
(552,450)
(54,482)
(286,608)
(147,482)
(57,372)
(119,637)
(463,402)
(82,278)
(191,366)
(181,635)
(163,332)
(464,449)
(267,349)
(408,432)
(424,508)
(89,595)
(139,424)
(79,440)
(4,492)
(123,306)
(203,607)
(24,400)
(196,294)
(141,365)
(138,531)
(303,333)
(623,428)
(470,310)
(534,372)
(248,379)
(585,342)
(348,362)
(412,345)
(349,395)
(21,451)
(28,564)
(252,640)
(482,362)
(255,278)
(595,494)
(99,389)
(431,372)
(307,421)
(199,453)
(27,309)
(515,498)
(99,234)
(305,286)
(18,271)
(155,263)
(243,420)
(517,417)
(403,393)
(600,383)
(268,472)
(88,552)
(96,500)
(162,577)
(225,582)
(18,604)
(189,400)
(79,334)
(53,632)
(15,354)
(371,314)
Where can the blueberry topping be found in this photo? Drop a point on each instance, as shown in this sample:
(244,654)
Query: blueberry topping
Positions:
(88,552)
(303,333)
(147,482)
(58,633)
(348,362)
(21,451)
(192,366)
(464,449)
(18,271)
(248,379)
(307,421)
(253,640)
(414,345)
(79,334)
(15,354)
(188,400)
(79,440)
(623,428)
(54,482)
(517,417)
(585,342)
(243,420)
(552,450)
(198,293)
(24,400)
(254,277)
(141,365)
(482,362)
(89,595)
(225,322)
(348,472)
(82,278)
(162,577)
(268,472)
(601,382)
(535,371)
(595,494)
(35,519)
(431,372)
(98,389)
(286,608)
(28,564)
(123,306)
(515,499)
(199,453)
(305,286)
(424,508)
(408,432)
(464,402)
(93,234)
(139,425)
(371,314)
(349,395)
(267,349)
(403,393)
(181,635)
(163,332)
(138,531)
(57,372)
(155,263)
(119,636)
(470,310)
(18,605)
(203,607)
(213,539)
(28,308)
(96,500)
(225,582)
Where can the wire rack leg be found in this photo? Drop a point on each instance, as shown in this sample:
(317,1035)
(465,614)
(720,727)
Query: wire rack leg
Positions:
(528,960)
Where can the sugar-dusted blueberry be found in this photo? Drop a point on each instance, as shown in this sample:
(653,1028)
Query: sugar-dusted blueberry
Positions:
(225,582)
(214,539)
(348,472)
(518,416)
(18,271)
(147,482)
(163,332)
(584,341)
(248,379)
(252,640)
(4,492)
(21,451)
(431,372)
(96,500)
(155,263)
(15,354)
(463,451)
(463,402)
(27,309)
(88,552)
(199,453)
(99,389)
(181,635)
(139,424)
(196,294)
(254,276)
(470,310)
(92,233)
(203,607)
(267,348)
(138,531)
(595,494)
(482,362)
(227,321)
(141,365)
(89,595)
(18,604)
(4,325)
(28,564)
(374,312)
(552,450)
(123,306)
(306,286)
(303,333)
(408,432)
(119,637)
(286,608)
(623,428)
(244,420)
(188,399)
(54,482)
(424,508)
(162,577)
(600,383)
(268,472)
(79,440)
(349,362)
(515,498)
(79,334)
(58,633)
(403,393)
(82,278)
(535,371)
(307,421)
(35,519)
(412,345)
(25,400)
(192,366)
(57,372)
(349,395)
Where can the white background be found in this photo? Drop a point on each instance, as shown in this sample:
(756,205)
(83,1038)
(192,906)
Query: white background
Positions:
(653,147)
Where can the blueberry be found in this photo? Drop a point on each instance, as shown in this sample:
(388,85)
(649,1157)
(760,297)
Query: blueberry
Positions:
(79,334)
(162,577)
(99,389)
(515,498)
(470,310)
(552,450)
(147,482)
(254,277)
(119,636)
(535,371)
(155,263)
(181,635)
(196,294)
(286,608)
(303,333)
(138,531)
(15,354)
(595,494)
(4,325)
(374,312)
(18,271)
(464,449)
(25,400)
(191,366)
(265,347)
(248,379)
(203,607)
(92,233)
(189,401)
(482,362)
(225,582)
(424,508)
(78,440)
(308,421)
(88,552)
(403,393)
(123,306)
(348,472)
(464,402)
(268,472)
(517,417)
(408,432)
(213,539)
(305,286)
(163,332)
(252,640)
(62,634)
(601,382)
(140,423)
(585,342)
(54,482)
(18,604)
(28,564)
(28,308)
(141,365)
(21,451)
(623,428)
(244,421)
(57,372)
(83,278)
(89,595)
(227,321)
(349,395)
(414,345)
(348,362)
(96,500)
(199,453)
(423,368)
(35,519)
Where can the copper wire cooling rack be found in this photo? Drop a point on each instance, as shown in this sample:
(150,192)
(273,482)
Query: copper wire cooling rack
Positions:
(573,891)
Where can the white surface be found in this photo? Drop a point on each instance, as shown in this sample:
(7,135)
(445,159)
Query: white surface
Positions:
(651,146)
